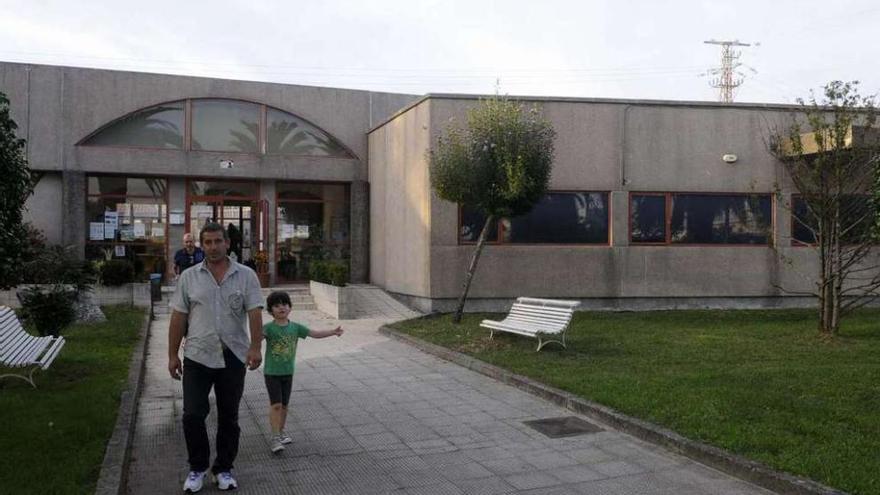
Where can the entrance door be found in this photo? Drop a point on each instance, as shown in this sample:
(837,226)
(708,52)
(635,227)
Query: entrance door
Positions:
(237,213)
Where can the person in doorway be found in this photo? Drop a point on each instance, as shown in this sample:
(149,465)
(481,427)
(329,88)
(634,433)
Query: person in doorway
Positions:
(282,336)
(218,299)
(187,257)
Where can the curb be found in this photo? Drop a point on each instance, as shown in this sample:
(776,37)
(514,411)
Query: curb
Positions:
(114,469)
(720,459)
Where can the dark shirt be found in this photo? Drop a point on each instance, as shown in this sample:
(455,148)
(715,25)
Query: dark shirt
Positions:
(184,260)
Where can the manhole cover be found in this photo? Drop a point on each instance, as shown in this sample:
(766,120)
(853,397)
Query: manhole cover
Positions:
(567,426)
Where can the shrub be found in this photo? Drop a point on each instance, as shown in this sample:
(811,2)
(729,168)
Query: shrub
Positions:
(329,272)
(57,265)
(48,309)
(117,272)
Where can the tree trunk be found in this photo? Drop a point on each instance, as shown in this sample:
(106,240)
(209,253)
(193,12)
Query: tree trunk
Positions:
(471,269)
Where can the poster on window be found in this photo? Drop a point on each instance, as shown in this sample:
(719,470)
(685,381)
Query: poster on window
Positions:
(96,231)
(111,219)
(123,209)
(287,231)
(140,231)
(126,233)
(120,251)
(301,232)
(158,231)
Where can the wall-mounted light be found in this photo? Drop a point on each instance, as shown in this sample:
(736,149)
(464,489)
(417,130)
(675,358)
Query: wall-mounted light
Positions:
(227,164)
(729,158)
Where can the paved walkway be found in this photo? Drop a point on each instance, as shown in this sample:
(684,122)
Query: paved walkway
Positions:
(370,415)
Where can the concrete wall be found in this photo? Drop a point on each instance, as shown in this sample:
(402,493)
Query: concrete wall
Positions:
(43,208)
(619,147)
(400,228)
(57,107)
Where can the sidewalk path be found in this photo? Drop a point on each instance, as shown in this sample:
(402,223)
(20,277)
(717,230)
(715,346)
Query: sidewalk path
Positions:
(370,415)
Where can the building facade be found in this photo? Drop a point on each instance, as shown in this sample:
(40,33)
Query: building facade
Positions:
(652,204)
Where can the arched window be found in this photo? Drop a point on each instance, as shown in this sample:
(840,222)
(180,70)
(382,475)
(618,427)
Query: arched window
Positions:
(160,126)
(217,124)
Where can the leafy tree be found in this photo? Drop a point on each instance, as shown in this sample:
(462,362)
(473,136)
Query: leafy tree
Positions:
(16,184)
(832,155)
(499,166)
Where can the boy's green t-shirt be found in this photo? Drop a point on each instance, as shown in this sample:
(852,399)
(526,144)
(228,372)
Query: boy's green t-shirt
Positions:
(281,346)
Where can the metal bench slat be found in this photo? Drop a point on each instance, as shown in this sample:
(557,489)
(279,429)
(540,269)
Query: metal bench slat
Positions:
(51,353)
(15,345)
(27,355)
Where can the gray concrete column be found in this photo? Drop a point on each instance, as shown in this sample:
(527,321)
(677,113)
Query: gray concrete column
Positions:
(267,193)
(73,199)
(176,204)
(619,218)
(360,231)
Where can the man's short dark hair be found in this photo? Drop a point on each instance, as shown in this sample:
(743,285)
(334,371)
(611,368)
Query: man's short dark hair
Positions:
(213,227)
(276,298)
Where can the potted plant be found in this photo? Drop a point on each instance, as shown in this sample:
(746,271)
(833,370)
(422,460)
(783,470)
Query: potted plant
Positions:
(261,260)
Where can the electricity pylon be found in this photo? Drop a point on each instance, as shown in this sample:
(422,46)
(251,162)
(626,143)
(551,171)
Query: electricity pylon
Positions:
(725,80)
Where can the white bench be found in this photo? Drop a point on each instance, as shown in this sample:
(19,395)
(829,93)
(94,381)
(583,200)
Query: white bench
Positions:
(537,318)
(19,349)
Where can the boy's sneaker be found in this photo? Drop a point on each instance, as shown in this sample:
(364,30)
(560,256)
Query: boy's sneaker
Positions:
(225,481)
(194,481)
(277,444)
(285,438)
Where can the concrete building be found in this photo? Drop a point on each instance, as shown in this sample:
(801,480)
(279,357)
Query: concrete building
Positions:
(652,203)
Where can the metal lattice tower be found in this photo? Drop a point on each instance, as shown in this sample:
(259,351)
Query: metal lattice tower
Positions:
(724,79)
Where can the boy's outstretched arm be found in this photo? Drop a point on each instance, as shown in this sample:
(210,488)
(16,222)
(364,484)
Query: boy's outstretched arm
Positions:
(320,334)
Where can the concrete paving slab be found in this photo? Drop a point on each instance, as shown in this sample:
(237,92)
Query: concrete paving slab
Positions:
(371,415)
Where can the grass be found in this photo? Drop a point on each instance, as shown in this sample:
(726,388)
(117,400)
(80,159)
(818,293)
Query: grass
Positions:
(54,438)
(758,383)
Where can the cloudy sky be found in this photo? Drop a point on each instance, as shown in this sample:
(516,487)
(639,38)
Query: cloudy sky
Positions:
(587,48)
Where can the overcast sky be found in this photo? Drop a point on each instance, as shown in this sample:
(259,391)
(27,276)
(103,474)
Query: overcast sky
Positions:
(588,48)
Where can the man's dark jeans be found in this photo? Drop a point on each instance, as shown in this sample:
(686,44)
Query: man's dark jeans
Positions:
(228,386)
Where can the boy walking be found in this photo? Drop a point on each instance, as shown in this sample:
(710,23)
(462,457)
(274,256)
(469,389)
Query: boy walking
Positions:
(282,336)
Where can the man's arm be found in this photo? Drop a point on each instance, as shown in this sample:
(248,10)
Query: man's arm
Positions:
(320,334)
(175,336)
(254,354)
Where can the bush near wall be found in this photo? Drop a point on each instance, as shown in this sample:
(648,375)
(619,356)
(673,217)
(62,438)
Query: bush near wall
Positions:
(329,272)
(117,272)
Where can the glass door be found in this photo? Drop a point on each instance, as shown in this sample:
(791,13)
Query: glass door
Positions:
(233,205)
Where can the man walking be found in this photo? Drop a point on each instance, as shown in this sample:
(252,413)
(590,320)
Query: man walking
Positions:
(189,256)
(218,298)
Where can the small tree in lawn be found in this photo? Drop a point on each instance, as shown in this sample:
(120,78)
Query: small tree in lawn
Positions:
(832,156)
(499,166)
(16,184)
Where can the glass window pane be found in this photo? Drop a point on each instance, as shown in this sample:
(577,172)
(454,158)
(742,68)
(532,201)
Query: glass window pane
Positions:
(648,218)
(472,223)
(563,218)
(717,219)
(803,222)
(127,186)
(289,134)
(313,192)
(225,125)
(160,126)
(855,214)
(223,188)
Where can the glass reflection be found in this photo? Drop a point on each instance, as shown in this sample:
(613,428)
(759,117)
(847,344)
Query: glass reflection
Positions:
(160,126)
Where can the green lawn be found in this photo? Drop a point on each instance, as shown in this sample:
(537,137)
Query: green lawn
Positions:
(54,437)
(757,383)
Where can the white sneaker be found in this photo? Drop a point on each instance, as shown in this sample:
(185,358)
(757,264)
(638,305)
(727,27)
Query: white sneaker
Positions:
(277,444)
(194,481)
(225,481)
(285,438)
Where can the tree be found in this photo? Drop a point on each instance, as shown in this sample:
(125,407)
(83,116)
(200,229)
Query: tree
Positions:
(499,166)
(835,168)
(16,184)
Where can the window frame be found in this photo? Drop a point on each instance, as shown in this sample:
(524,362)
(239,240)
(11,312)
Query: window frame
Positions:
(187,131)
(126,197)
(500,226)
(771,238)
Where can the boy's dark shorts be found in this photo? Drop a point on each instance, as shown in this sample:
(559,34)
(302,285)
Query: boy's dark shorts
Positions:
(279,388)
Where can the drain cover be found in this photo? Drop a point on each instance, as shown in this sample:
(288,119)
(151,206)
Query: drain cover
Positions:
(567,426)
